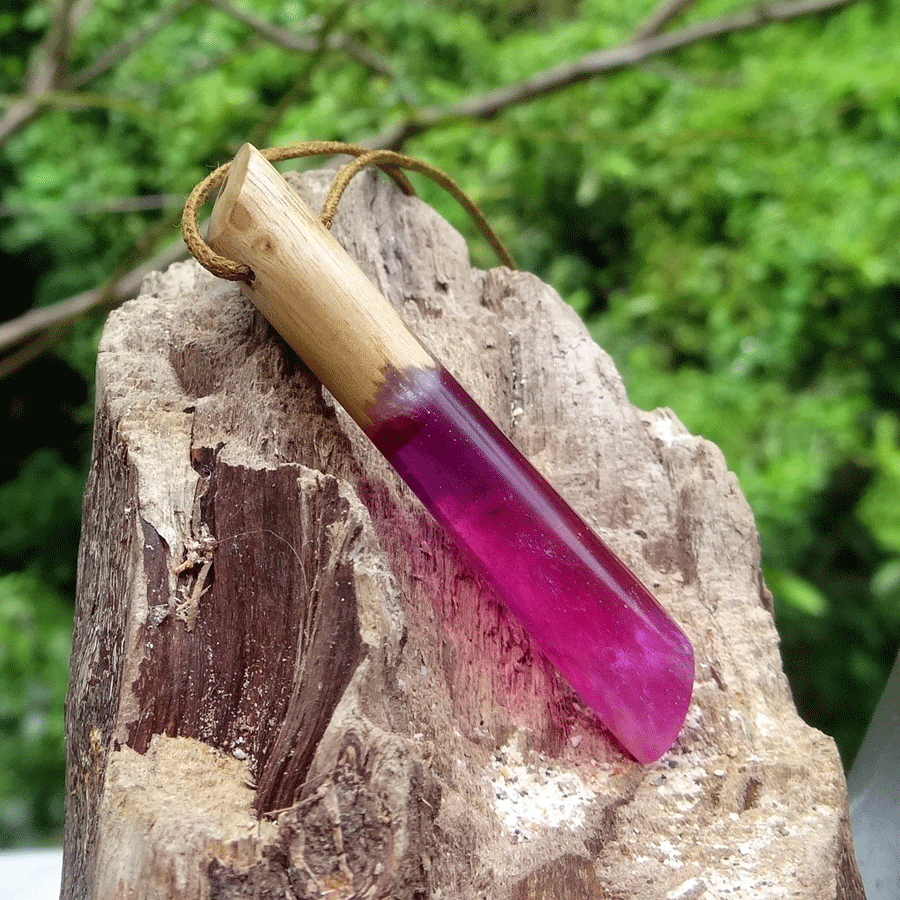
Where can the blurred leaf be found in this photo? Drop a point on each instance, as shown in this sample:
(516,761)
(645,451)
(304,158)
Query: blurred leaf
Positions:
(37,511)
(879,509)
(797,592)
(35,638)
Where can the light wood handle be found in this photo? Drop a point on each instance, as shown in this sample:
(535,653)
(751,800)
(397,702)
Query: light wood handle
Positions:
(309,288)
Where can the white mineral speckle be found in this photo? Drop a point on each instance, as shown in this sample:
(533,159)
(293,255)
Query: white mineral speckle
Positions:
(663,428)
(671,856)
(691,889)
(529,797)
(694,717)
(764,723)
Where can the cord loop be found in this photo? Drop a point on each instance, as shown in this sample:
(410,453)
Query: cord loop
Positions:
(391,163)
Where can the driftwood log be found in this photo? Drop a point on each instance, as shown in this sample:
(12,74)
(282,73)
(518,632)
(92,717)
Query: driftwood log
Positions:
(287,684)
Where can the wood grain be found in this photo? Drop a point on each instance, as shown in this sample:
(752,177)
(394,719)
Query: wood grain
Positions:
(307,286)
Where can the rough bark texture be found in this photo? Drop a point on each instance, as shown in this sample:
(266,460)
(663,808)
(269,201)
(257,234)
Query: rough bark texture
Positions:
(286,683)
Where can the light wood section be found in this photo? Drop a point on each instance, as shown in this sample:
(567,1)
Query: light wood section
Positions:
(309,288)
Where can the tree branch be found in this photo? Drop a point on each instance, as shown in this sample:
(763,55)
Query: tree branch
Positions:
(304,44)
(114,205)
(663,15)
(300,88)
(108,295)
(52,58)
(48,75)
(20,358)
(596,64)
(47,69)
(115,54)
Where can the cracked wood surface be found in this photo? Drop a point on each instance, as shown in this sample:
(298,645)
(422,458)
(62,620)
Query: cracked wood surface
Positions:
(286,683)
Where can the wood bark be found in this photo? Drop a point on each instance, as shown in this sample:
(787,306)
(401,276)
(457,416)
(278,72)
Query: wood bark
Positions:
(287,684)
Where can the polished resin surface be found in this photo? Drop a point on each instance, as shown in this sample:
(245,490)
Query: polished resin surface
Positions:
(602,629)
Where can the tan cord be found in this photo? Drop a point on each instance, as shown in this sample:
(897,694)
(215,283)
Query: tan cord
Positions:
(388,159)
(390,162)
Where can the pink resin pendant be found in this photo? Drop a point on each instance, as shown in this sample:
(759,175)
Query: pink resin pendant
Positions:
(600,627)
(587,612)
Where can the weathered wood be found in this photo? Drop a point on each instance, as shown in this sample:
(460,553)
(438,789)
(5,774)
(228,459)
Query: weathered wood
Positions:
(286,684)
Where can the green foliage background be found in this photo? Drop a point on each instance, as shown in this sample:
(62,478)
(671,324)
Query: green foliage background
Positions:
(726,219)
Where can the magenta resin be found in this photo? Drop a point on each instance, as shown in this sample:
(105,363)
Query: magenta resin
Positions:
(600,627)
